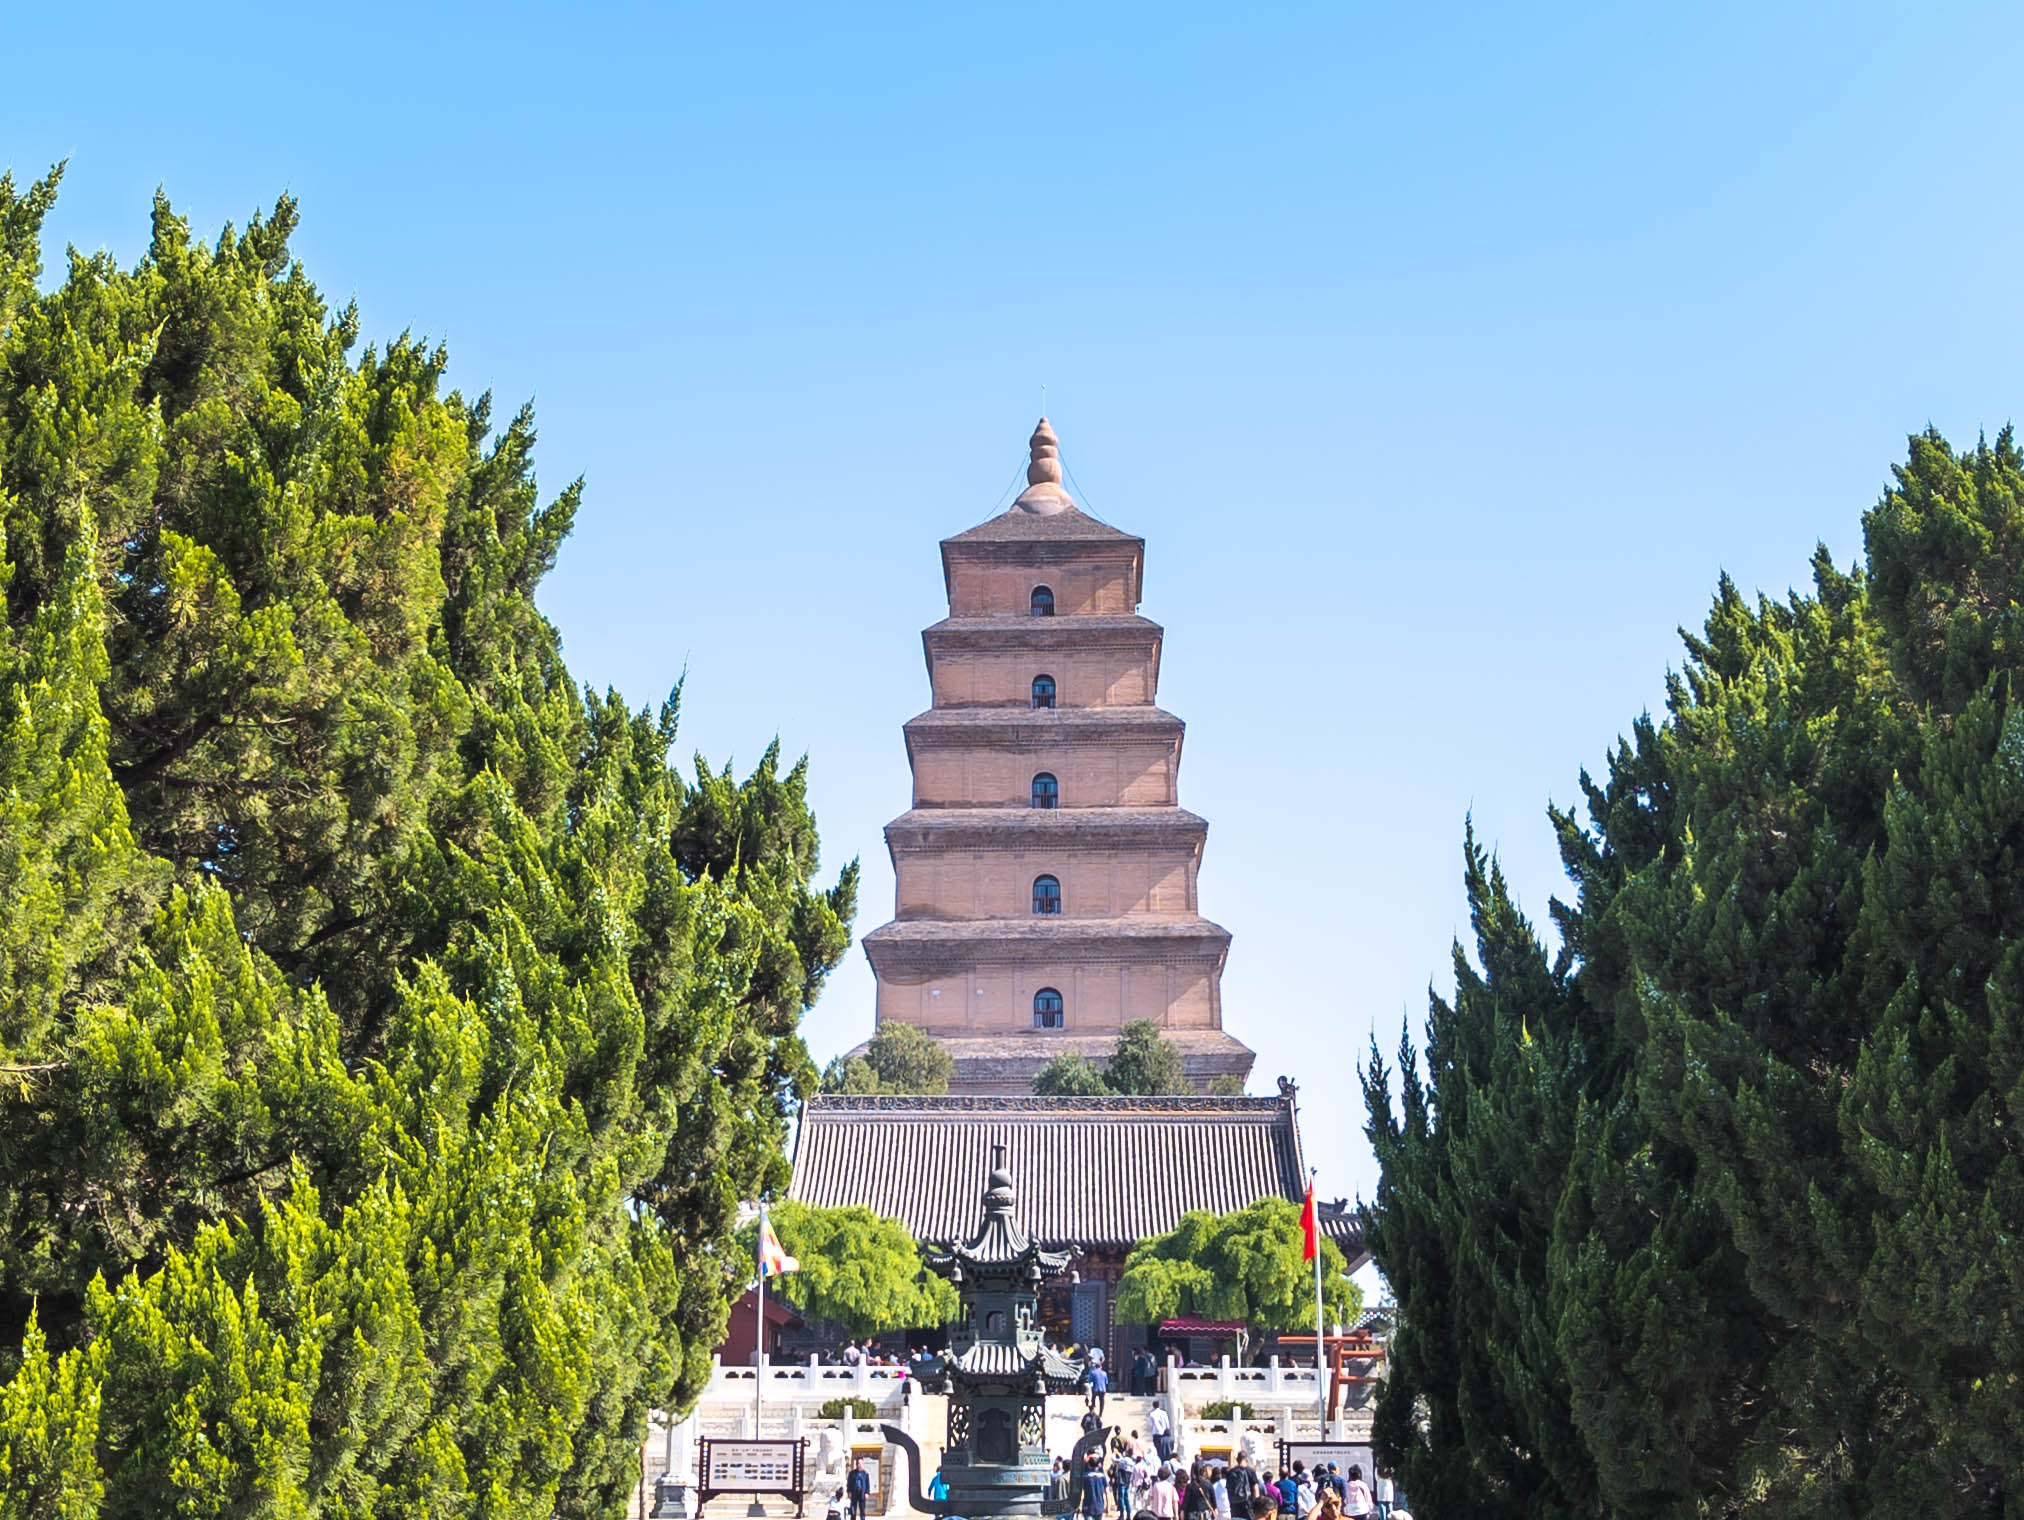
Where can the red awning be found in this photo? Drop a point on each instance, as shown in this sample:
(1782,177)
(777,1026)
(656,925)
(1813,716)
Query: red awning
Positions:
(1202,1327)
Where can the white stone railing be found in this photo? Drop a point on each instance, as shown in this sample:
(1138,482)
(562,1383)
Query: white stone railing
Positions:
(1293,1424)
(812,1381)
(1270,1384)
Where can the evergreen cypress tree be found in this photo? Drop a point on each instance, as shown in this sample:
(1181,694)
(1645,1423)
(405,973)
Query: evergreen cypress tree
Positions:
(1784,1189)
(1143,1064)
(1478,1413)
(389,1033)
(1070,1075)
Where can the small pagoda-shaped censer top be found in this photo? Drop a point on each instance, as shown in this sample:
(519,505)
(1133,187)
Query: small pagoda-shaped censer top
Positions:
(996,1339)
(1000,1248)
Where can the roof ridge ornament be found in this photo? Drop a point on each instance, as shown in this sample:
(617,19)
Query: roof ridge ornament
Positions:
(1043,496)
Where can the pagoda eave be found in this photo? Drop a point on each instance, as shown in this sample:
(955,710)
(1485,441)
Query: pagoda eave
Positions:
(916,947)
(1005,632)
(1021,728)
(929,830)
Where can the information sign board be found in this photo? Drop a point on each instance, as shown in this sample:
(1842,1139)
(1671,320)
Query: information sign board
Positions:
(751,1467)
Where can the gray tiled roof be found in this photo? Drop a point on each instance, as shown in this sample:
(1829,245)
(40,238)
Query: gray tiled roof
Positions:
(1096,1172)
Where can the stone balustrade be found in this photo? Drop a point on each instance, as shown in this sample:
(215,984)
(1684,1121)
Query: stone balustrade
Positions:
(1270,1384)
(811,1382)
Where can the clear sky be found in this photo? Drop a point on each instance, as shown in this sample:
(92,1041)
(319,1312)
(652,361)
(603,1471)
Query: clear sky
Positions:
(1443,356)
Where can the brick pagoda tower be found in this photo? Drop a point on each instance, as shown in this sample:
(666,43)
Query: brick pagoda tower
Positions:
(1046,871)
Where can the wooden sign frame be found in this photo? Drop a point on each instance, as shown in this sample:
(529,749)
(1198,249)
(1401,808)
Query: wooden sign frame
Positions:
(793,1483)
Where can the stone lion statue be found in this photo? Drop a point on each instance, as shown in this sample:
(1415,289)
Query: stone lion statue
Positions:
(1258,1450)
(829,1454)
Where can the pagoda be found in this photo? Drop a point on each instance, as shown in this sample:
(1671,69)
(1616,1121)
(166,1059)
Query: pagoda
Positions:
(1046,872)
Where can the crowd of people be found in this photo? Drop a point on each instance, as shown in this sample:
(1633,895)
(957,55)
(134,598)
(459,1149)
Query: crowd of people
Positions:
(868,1355)
(1144,1484)
(1145,1478)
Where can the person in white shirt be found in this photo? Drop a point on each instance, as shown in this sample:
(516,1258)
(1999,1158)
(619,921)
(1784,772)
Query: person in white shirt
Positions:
(1221,1489)
(1163,1433)
(1358,1502)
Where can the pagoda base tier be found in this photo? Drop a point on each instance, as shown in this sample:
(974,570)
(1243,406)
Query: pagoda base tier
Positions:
(998,1065)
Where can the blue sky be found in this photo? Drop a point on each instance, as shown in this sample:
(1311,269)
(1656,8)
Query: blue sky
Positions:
(1443,356)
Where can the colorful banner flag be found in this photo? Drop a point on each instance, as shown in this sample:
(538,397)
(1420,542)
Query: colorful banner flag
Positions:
(1310,1227)
(772,1260)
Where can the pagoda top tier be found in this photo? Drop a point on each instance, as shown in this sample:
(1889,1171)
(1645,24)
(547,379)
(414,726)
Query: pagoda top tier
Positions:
(1043,529)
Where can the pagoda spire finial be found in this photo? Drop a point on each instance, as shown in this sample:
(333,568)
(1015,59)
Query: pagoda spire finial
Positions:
(1045,467)
(1043,495)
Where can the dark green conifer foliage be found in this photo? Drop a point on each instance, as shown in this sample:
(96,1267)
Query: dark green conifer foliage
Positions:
(1142,1064)
(900,1058)
(387,1033)
(1478,1415)
(1783,1218)
(1070,1075)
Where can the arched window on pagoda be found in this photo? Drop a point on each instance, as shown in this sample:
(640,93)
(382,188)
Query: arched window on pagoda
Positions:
(1046,791)
(1046,896)
(1043,691)
(1047,1009)
(1043,601)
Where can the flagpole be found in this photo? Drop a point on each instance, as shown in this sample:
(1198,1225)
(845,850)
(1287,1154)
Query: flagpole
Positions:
(759,1334)
(1320,1345)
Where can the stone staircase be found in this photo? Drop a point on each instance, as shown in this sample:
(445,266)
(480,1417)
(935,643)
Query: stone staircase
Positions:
(1126,1413)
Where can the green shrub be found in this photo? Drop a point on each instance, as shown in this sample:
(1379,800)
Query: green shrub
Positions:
(854,1409)
(1223,1409)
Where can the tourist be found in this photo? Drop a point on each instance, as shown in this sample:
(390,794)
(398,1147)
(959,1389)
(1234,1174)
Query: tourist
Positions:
(939,1489)
(1095,1492)
(1337,1482)
(1328,1506)
(1121,1475)
(1242,1481)
(1141,1481)
(1143,1374)
(1098,1383)
(852,1357)
(1289,1490)
(1266,1505)
(1164,1501)
(1356,1500)
(859,1485)
(1163,1433)
(1197,1501)
(1220,1487)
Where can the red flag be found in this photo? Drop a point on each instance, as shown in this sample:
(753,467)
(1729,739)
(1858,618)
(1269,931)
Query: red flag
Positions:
(1310,1227)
